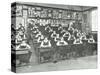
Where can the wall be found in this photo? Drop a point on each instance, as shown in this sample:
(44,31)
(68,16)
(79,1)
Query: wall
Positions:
(90,21)
(94,15)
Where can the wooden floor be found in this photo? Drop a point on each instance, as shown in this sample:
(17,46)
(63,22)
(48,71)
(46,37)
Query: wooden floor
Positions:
(89,62)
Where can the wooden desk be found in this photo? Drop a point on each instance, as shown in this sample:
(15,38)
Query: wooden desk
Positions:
(92,48)
(58,53)
(23,56)
(89,49)
(45,54)
(63,51)
(77,49)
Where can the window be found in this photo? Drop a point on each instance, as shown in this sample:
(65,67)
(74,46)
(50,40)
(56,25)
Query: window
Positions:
(94,20)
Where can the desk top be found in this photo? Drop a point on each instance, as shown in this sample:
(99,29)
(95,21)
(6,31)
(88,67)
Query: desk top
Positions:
(65,45)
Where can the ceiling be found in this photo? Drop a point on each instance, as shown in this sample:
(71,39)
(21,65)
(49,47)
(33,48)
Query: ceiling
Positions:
(71,7)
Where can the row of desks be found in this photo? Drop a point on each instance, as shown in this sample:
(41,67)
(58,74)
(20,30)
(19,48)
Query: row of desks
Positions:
(50,54)
(57,53)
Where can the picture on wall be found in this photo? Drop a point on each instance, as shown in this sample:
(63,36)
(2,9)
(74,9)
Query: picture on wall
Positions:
(53,37)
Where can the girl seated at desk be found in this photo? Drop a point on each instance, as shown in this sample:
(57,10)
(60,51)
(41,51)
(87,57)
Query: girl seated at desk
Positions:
(57,38)
(40,39)
(45,43)
(79,34)
(54,34)
(71,30)
(83,36)
(23,45)
(60,28)
(75,32)
(39,34)
(91,40)
(66,35)
(21,33)
(61,42)
(35,38)
(71,39)
(18,39)
(88,35)
(35,31)
(20,27)
(47,27)
(78,41)
(51,30)
(63,32)
(13,38)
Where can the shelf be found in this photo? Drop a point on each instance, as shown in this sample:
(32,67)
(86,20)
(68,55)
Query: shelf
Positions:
(53,18)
